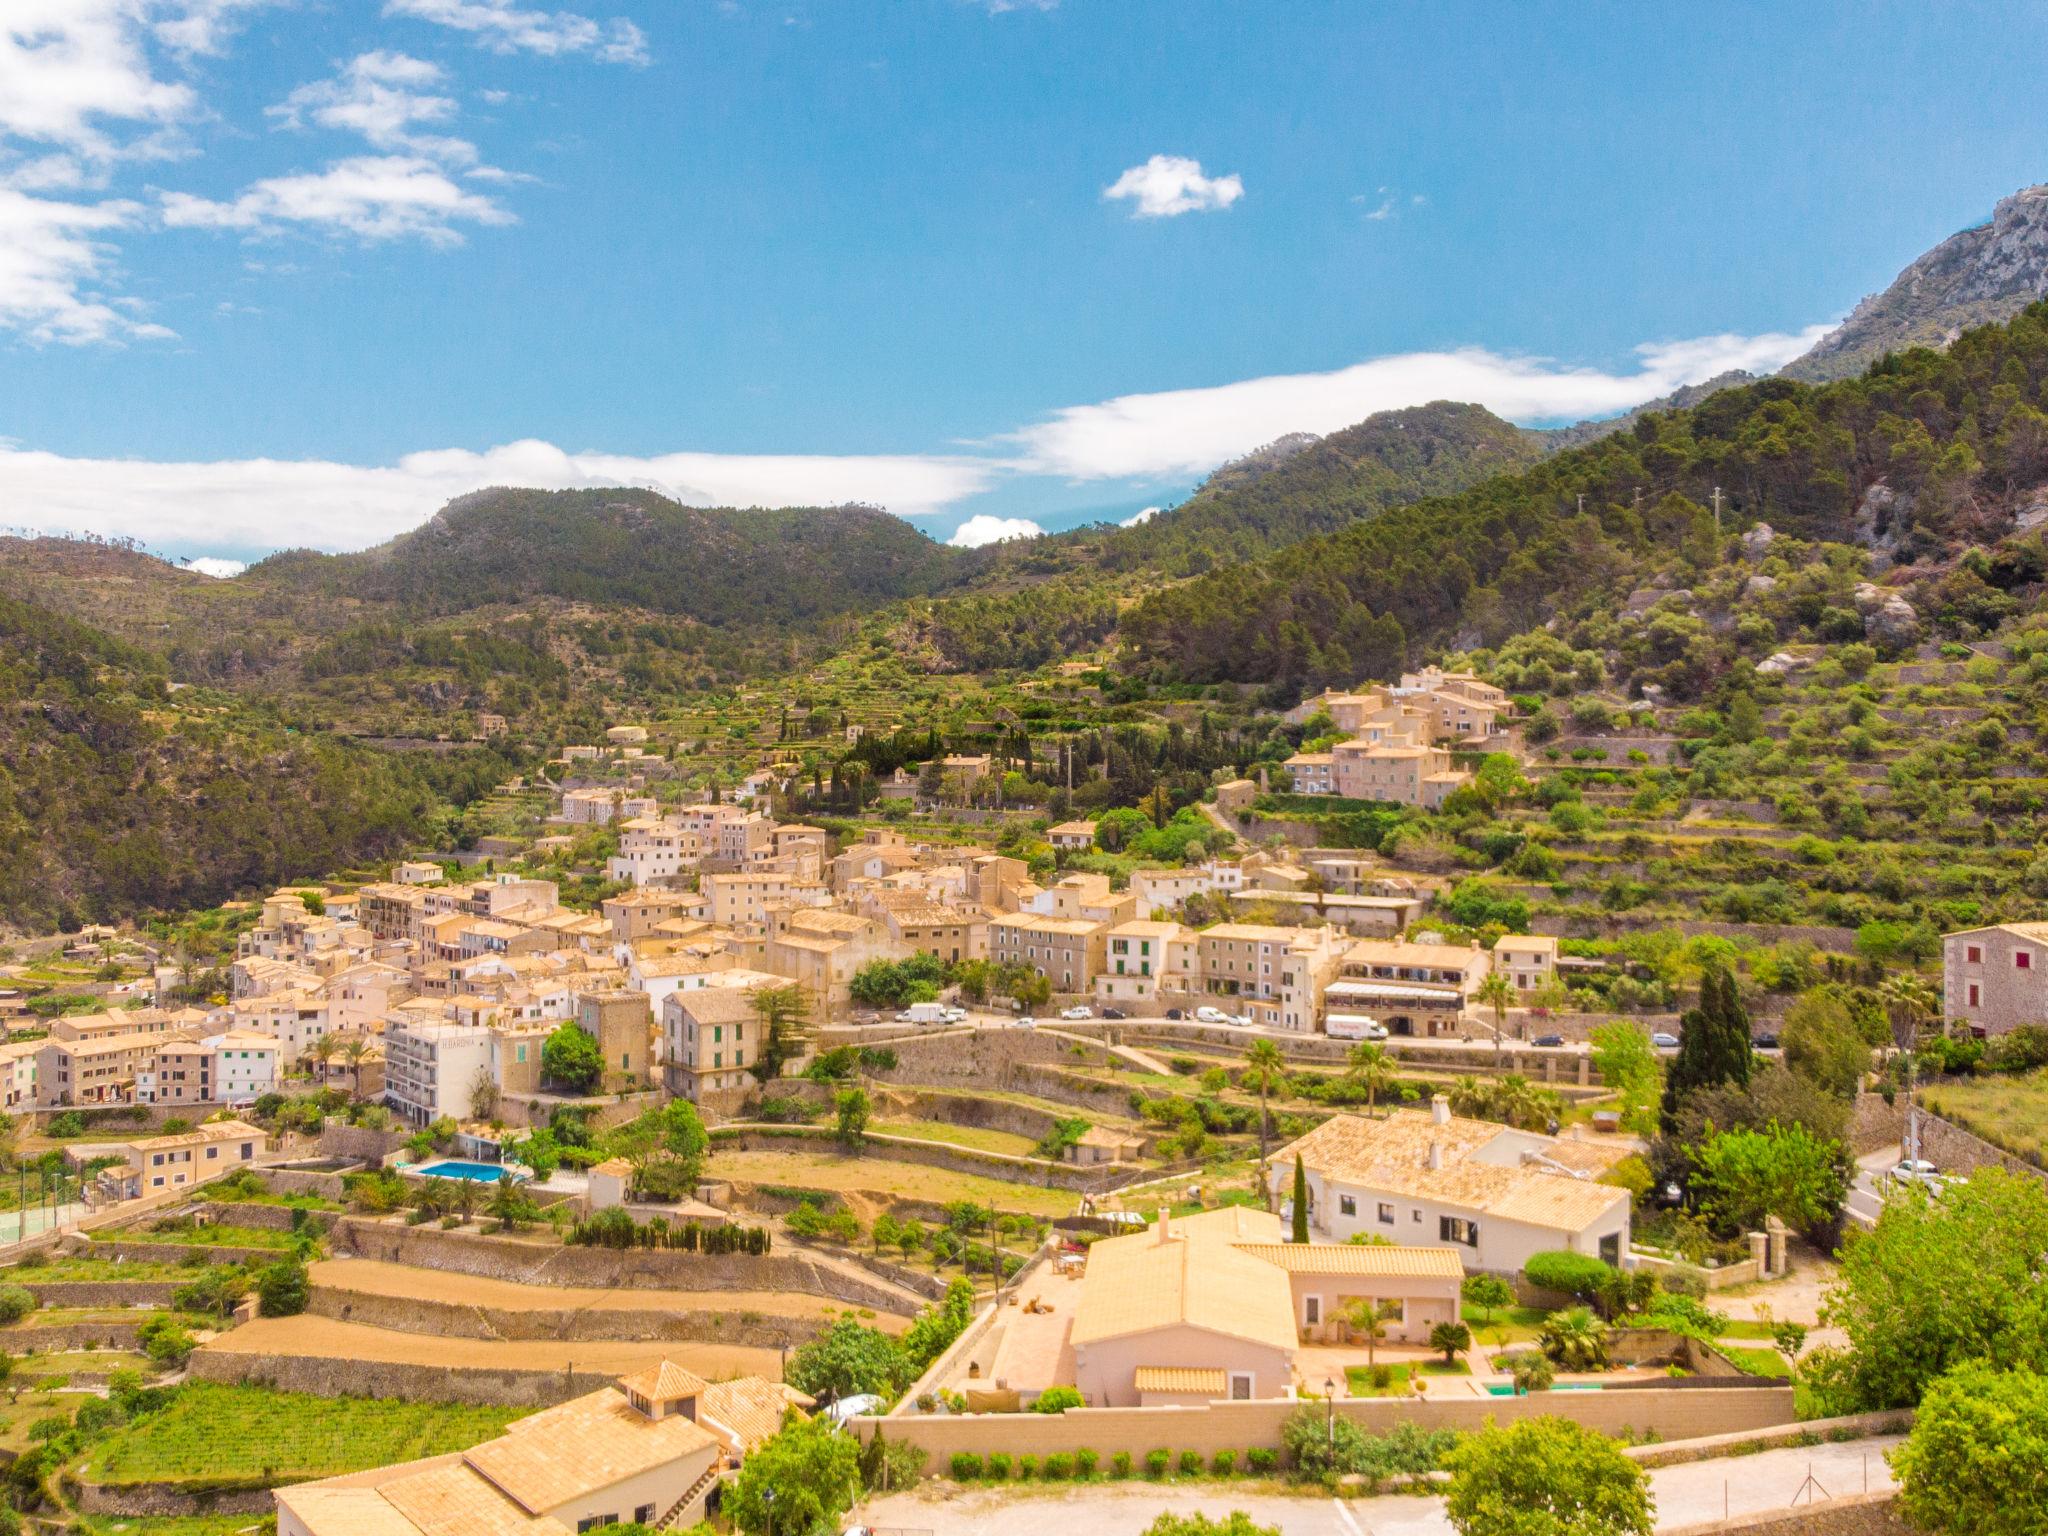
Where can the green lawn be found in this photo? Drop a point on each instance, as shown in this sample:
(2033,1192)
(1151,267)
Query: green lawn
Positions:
(1508,1325)
(1743,1328)
(181,1525)
(213,1235)
(71,1270)
(1757,1362)
(247,1437)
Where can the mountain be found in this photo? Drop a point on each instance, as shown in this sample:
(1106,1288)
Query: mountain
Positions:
(134,797)
(1304,486)
(1679,399)
(1927,458)
(1982,275)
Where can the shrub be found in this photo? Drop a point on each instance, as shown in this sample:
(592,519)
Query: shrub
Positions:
(1261,1459)
(1575,1339)
(1120,1464)
(1573,1274)
(166,1340)
(284,1288)
(965,1466)
(1057,1400)
(1223,1463)
(999,1467)
(1058,1467)
(1085,1463)
(1156,1463)
(1027,1467)
(1190,1463)
(15,1303)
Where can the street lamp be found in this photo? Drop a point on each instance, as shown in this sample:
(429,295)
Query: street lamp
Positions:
(1330,1412)
(768,1508)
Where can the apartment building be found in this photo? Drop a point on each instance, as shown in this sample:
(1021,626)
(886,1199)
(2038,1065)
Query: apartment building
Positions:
(245,1065)
(1995,979)
(102,1069)
(1067,951)
(1412,989)
(819,950)
(1277,974)
(601,807)
(1142,959)
(708,1038)
(741,898)
(180,1072)
(651,849)
(432,1067)
(158,1163)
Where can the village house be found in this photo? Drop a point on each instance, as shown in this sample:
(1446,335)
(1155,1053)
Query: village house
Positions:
(1528,960)
(649,1449)
(1996,979)
(1422,990)
(1072,836)
(1142,959)
(157,1163)
(1277,975)
(1431,1178)
(1066,951)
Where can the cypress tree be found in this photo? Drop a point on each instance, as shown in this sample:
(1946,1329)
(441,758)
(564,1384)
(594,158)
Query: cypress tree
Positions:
(1713,1040)
(1300,1233)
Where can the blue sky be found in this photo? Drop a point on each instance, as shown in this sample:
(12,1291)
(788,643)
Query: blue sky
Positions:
(291,271)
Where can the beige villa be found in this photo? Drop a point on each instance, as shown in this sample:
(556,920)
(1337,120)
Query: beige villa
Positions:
(1214,1306)
(650,1449)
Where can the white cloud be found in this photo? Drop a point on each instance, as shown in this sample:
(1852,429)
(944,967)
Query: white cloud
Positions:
(202,26)
(385,97)
(69,68)
(220,570)
(272,503)
(373,197)
(1142,515)
(504,28)
(982,528)
(1169,185)
(1190,431)
(51,254)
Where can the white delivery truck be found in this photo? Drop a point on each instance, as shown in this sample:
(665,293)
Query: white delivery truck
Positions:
(926,1013)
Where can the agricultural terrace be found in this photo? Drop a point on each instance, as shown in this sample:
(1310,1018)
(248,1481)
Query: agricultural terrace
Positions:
(2008,1112)
(224,1437)
(836,1172)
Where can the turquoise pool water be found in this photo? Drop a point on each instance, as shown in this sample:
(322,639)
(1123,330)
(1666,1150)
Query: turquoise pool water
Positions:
(455,1168)
(1507,1388)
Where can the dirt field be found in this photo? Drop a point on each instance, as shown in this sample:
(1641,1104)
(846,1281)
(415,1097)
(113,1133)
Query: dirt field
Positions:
(907,1181)
(372,1277)
(327,1338)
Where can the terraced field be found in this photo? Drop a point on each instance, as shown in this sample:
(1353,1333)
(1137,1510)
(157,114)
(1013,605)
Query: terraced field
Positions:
(836,1172)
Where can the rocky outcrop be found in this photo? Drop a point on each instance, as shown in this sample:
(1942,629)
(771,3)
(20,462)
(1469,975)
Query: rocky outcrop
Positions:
(1985,274)
(1889,620)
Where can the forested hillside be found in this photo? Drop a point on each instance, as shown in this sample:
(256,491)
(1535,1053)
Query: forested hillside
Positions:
(117,795)
(1924,457)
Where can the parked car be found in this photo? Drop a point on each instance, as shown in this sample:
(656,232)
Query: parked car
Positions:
(1082,1012)
(1241,1020)
(1027,1022)
(1664,1040)
(1548,1040)
(1913,1171)
(852,1407)
(1173,1013)
(1211,1016)
(1114,1013)
(1767,1041)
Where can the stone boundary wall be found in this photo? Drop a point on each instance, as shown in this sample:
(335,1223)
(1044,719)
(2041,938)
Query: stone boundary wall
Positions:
(1720,1277)
(1853,1426)
(1953,1149)
(1666,1411)
(1850,1514)
(404,1382)
(97,1293)
(359,1143)
(460,1320)
(48,1338)
(304,1181)
(1591,924)
(538,1263)
(1874,1124)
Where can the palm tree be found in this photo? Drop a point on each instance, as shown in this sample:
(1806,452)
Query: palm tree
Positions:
(1265,1069)
(1496,991)
(1368,1319)
(1371,1068)
(322,1050)
(355,1052)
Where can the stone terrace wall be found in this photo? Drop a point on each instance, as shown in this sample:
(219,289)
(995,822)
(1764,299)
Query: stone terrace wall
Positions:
(304,1181)
(458,1320)
(166,1500)
(389,1379)
(270,1218)
(32,1338)
(1853,1514)
(544,1263)
(98,1293)
(178,1253)
(1670,1412)
(932,1154)
(1874,1123)
(359,1143)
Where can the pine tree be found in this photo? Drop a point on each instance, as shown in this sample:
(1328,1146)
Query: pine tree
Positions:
(1300,1233)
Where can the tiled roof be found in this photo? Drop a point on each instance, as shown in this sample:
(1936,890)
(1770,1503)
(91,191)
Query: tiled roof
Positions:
(664,1381)
(1178,1378)
(1374,1259)
(748,1406)
(1192,1277)
(353,1511)
(580,1446)
(451,1500)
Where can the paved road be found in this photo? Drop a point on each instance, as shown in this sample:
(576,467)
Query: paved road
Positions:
(1866,1194)
(1686,1495)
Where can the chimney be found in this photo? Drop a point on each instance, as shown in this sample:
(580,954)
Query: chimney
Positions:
(1436,1155)
(1164,1226)
(1440,1109)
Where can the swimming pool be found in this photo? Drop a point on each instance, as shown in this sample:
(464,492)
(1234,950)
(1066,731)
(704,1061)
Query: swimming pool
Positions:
(481,1173)
(1507,1388)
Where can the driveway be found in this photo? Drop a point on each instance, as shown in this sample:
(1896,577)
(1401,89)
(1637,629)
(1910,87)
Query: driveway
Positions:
(1686,1495)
